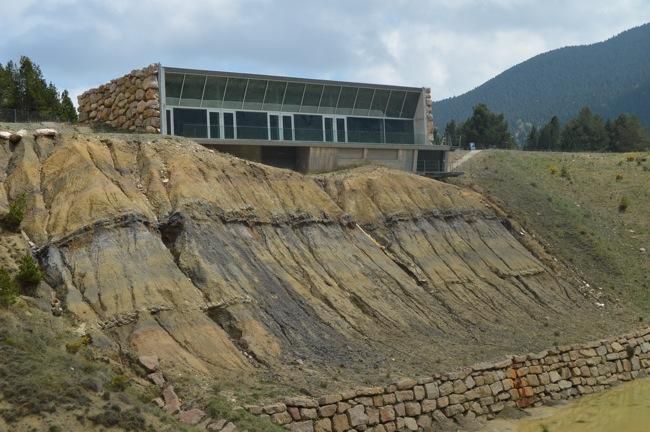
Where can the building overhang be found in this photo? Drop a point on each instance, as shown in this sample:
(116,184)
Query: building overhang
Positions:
(346,145)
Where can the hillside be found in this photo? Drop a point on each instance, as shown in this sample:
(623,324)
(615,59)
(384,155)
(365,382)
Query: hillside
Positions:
(254,280)
(611,77)
(572,200)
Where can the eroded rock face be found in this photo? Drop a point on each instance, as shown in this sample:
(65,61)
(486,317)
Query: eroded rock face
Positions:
(213,264)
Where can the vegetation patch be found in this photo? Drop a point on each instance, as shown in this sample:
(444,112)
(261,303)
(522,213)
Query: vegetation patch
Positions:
(8,289)
(14,217)
(29,275)
(221,408)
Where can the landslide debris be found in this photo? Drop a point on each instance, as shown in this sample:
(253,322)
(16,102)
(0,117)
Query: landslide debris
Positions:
(224,268)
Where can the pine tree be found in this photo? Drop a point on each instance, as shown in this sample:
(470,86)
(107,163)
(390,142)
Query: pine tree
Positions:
(586,132)
(68,112)
(532,141)
(626,134)
(487,129)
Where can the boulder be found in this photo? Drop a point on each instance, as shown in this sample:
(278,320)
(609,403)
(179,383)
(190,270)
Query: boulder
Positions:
(191,417)
(150,363)
(172,402)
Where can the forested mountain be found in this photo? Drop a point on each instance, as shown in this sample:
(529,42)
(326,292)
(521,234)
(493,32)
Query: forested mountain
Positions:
(610,77)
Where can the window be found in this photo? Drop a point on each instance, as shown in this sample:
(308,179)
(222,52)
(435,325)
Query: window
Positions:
(329,129)
(274,127)
(379,102)
(228,125)
(255,94)
(191,123)
(399,131)
(346,100)
(293,97)
(340,130)
(312,98)
(252,125)
(192,90)
(274,95)
(395,103)
(214,125)
(362,105)
(365,130)
(287,128)
(329,100)
(168,121)
(173,87)
(308,127)
(235,93)
(410,105)
(214,90)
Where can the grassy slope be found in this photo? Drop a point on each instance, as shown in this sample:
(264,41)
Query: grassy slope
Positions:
(577,214)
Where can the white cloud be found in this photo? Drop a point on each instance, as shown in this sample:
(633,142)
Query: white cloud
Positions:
(449,45)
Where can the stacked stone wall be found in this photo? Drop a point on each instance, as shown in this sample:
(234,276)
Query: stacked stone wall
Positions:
(128,103)
(480,391)
(429,114)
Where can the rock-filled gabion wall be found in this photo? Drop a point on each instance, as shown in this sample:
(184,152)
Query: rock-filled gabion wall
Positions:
(429,114)
(129,103)
(482,390)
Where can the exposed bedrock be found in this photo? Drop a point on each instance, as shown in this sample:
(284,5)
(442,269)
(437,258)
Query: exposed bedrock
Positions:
(219,265)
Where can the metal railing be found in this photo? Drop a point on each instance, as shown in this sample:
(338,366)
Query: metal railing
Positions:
(200,130)
(430,166)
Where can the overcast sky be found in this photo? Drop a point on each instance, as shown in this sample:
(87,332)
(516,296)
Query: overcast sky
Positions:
(451,46)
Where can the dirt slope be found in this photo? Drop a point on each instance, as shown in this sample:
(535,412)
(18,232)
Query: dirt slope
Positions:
(223,267)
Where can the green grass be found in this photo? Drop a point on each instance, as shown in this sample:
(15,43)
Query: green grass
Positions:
(593,213)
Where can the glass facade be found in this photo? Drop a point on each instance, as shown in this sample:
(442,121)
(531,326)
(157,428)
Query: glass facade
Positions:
(230,106)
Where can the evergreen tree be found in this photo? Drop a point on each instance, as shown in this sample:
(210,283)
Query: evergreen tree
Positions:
(451,133)
(487,129)
(532,141)
(23,88)
(626,134)
(549,135)
(586,132)
(68,111)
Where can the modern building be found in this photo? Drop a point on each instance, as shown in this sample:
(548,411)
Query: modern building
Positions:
(302,124)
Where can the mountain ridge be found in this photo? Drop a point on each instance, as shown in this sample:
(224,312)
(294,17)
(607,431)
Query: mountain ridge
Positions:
(610,77)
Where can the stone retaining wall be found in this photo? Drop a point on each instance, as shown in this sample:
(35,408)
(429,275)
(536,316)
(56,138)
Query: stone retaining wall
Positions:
(480,391)
(130,103)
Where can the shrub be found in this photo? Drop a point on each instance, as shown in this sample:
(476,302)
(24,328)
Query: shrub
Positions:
(221,408)
(119,383)
(29,275)
(630,158)
(14,217)
(623,205)
(552,169)
(619,177)
(8,289)
(564,173)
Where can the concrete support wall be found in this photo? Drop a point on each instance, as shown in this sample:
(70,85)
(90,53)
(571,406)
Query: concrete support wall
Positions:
(129,103)
(482,390)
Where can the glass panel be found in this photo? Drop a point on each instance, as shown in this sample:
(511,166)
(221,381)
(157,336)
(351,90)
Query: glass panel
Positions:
(214,125)
(214,89)
(410,105)
(365,130)
(255,94)
(312,98)
(400,132)
(287,130)
(329,99)
(293,97)
(168,121)
(228,125)
(274,95)
(340,130)
(329,129)
(252,125)
(193,90)
(274,123)
(191,123)
(395,103)
(308,127)
(235,92)
(173,85)
(346,101)
(379,102)
(362,104)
